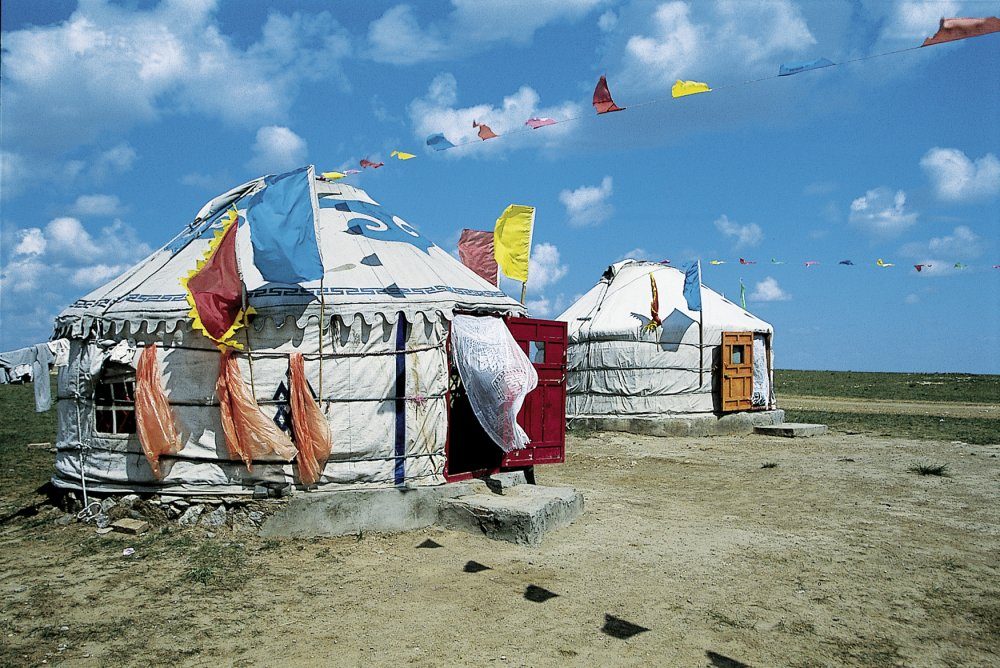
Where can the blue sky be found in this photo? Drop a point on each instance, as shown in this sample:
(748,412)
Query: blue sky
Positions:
(121,119)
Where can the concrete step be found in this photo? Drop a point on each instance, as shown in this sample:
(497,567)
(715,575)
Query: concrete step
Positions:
(792,429)
(522,515)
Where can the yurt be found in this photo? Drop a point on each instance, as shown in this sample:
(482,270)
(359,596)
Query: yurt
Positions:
(148,402)
(641,360)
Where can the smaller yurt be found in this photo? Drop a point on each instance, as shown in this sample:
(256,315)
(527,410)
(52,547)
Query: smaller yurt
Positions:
(641,360)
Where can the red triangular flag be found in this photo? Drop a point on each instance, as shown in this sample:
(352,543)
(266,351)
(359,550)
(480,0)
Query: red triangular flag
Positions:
(215,289)
(484,131)
(602,98)
(365,163)
(952,29)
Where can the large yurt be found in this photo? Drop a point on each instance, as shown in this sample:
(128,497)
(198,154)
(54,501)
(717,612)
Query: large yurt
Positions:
(371,335)
(690,373)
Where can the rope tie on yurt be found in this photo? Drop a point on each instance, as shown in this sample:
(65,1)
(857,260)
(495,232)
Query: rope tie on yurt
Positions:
(246,335)
(88,512)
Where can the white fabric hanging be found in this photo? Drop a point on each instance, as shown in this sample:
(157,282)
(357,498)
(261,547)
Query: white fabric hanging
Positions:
(497,376)
(761,380)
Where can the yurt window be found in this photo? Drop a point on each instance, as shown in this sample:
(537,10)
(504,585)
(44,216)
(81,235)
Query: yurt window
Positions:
(737,355)
(114,403)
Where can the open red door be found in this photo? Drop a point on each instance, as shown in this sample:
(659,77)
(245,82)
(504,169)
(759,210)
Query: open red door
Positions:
(469,450)
(543,416)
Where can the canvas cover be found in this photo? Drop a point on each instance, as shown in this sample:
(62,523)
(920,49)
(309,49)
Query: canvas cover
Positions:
(376,263)
(617,366)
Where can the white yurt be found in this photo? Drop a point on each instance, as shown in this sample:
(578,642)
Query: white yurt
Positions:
(679,377)
(381,314)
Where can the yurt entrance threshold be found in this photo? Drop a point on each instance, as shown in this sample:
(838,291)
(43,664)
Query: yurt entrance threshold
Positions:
(469,450)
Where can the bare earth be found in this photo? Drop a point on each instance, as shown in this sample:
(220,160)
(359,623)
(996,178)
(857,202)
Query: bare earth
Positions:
(848,405)
(839,555)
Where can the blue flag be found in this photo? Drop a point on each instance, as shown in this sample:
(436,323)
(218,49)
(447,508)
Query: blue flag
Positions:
(692,286)
(438,142)
(795,68)
(284,232)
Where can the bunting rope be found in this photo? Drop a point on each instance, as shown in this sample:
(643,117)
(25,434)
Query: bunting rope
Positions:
(949,30)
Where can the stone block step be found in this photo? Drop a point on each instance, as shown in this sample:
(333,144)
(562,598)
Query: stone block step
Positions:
(522,515)
(792,429)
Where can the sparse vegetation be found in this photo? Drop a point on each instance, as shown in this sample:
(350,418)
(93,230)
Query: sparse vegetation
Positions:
(941,387)
(769,465)
(978,431)
(930,469)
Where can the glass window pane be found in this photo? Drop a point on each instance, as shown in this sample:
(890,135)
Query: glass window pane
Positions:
(104,421)
(536,352)
(102,394)
(125,422)
(737,355)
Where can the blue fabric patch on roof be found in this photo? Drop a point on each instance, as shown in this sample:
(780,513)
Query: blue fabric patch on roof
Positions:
(371,260)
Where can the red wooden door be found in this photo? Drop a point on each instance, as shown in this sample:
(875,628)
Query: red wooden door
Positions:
(543,416)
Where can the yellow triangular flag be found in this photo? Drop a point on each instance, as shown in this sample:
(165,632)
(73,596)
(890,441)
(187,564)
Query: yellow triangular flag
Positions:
(401,155)
(333,176)
(682,88)
(512,241)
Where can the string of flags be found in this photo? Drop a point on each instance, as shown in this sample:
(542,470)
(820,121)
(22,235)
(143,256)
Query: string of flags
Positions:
(879,263)
(949,30)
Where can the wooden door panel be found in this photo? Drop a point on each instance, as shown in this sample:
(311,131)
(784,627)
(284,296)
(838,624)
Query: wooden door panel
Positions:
(737,371)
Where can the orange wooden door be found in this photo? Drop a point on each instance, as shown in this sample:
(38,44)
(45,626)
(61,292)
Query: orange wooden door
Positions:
(737,371)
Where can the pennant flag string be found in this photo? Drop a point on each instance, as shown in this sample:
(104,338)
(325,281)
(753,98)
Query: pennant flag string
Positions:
(950,30)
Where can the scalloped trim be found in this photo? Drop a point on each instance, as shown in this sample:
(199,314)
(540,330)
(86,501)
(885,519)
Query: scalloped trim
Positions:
(228,338)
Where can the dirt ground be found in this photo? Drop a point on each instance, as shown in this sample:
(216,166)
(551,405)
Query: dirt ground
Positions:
(689,554)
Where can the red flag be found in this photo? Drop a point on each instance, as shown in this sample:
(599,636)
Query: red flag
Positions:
(742,261)
(475,249)
(215,289)
(366,163)
(953,29)
(602,98)
(920,267)
(484,131)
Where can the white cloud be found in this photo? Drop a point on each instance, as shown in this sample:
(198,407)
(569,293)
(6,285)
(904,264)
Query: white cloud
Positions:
(116,160)
(437,112)
(917,19)
(544,307)
(588,205)
(277,149)
(635,254)
(94,275)
(67,237)
(96,205)
(31,242)
(674,44)
(743,236)
(911,298)
(397,36)
(956,178)
(882,212)
(768,290)
(544,266)
(608,21)
(107,68)
(962,244)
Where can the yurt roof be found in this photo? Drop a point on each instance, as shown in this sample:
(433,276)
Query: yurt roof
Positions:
(619,305)
(369,272)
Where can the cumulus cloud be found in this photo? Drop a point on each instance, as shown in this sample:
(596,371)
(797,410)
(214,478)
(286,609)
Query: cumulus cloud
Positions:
(635,254)
(916,19)
(956,178)
(674,43)
(608,21)
(96,205)
(545,266)
(107,68)
(588,205)
(30,242)
(961,244)
(882,212)
(437,111)
(768,290)
(743,236)
(397,36)
(277,149)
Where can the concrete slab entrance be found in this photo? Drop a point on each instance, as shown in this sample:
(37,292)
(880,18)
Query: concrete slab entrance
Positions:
(521,514)
(682,425)
(792,429)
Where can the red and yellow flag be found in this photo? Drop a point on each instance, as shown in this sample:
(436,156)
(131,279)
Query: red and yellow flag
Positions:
(215,290)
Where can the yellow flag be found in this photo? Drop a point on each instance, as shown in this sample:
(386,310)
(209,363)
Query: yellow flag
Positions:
(333,176)
(717,262)
(682,88)
(881,263)
(512,241)
(401,155)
